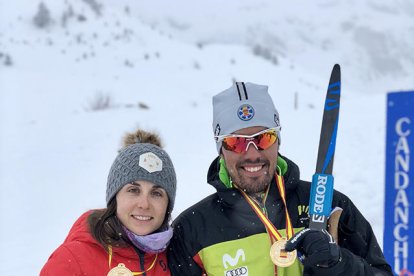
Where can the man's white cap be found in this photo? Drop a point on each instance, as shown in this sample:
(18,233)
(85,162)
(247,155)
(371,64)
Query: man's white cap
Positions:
(243,105)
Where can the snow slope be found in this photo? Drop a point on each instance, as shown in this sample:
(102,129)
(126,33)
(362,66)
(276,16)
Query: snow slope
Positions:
(158,64)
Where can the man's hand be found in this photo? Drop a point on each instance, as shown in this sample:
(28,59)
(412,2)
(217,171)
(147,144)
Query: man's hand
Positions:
(318,247)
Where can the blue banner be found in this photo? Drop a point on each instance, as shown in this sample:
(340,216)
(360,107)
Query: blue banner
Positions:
(399,183)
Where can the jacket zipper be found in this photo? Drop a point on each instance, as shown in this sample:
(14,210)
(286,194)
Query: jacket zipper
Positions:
(141,255)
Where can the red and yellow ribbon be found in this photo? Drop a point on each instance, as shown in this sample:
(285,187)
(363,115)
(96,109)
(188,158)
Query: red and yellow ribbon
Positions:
(271,229)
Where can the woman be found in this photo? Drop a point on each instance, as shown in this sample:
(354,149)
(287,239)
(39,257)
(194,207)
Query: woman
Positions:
(130,236)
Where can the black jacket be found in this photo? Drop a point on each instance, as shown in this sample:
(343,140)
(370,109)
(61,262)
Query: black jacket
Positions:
(222,235)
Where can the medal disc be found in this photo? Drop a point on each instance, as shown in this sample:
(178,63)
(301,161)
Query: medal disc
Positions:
(120,270)
(279,256)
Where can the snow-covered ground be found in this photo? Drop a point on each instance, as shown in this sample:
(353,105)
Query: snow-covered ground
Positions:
(157,64)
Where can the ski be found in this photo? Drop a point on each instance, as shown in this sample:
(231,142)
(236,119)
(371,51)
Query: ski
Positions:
(320,203)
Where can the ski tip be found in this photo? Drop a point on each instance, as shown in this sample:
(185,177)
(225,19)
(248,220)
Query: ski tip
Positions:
(336,73)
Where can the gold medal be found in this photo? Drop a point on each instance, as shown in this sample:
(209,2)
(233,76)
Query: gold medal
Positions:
(120,270)
(279,256)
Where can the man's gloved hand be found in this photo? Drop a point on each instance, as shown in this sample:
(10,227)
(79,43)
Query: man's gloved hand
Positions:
(318,247)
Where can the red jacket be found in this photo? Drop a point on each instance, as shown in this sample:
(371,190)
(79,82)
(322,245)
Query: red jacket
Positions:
(80,254)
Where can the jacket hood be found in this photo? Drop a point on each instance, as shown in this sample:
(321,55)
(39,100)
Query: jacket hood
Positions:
(290,172)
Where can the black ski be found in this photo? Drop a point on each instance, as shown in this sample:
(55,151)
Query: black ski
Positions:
(322,181)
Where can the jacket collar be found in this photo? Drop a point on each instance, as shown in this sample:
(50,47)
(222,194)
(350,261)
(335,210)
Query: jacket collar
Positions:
(80,232)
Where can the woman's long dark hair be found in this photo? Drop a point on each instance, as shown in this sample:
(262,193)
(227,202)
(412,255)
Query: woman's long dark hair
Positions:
(107,229)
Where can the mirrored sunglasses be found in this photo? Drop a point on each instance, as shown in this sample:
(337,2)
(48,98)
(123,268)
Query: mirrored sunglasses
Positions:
(239,143)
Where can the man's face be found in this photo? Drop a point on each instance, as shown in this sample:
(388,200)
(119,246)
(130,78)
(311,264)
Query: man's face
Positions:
(253,169)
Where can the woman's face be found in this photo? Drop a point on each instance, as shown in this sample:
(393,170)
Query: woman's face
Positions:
(141,206)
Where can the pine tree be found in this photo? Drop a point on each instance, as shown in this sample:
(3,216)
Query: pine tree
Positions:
(42,18)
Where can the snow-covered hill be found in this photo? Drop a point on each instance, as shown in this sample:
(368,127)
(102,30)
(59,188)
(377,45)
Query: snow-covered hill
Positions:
(156,65)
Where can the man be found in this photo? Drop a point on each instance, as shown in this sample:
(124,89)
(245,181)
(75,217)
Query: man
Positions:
(260,203)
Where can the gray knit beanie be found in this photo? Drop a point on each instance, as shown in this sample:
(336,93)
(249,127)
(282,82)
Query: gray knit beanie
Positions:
(142,161)
(243,105)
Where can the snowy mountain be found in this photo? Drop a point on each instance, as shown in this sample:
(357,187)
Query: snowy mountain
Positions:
(75,75)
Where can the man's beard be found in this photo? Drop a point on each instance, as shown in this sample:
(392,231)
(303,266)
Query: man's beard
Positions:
(252,185)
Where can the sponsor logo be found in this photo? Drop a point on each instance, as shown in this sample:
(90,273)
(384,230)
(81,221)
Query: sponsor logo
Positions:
(245,112)
(217,130)
(237,271)
(150,162)
(276,118)
(303,209)
(303,212)
(321,197)
(300,234)
(163,265)
(320,194)
(230,262)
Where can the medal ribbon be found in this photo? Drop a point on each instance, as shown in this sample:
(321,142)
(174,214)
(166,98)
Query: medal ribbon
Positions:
(272,230)
(133,273)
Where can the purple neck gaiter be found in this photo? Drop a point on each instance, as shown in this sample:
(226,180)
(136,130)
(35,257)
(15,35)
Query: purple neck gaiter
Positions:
(152,243)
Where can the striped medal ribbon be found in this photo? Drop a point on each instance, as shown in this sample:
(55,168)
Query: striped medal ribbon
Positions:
(279,256)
